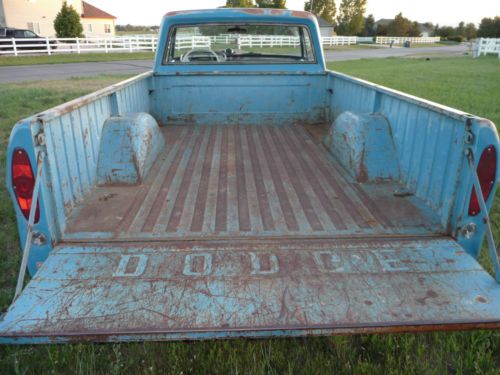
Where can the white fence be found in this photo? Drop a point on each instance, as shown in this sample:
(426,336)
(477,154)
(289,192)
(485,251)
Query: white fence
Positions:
(485,46)
(365,39)
(192,42)
(401,40)
(135,43)
(329,41)
(77,45)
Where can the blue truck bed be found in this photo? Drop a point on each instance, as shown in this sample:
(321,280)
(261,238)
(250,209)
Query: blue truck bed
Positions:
(213,199)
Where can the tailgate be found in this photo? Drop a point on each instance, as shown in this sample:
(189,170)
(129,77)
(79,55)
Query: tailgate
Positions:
(199,290)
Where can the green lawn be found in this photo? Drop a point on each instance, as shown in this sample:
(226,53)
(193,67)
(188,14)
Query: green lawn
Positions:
(471,85)
(74,58)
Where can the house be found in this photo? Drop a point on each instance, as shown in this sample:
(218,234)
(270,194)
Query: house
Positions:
(97,22)
(39,15)
(426,29)
(325,27)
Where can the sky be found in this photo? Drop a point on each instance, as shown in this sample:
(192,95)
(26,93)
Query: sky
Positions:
(443,12)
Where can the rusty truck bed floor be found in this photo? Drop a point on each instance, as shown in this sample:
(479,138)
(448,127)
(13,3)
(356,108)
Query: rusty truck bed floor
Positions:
(246,181)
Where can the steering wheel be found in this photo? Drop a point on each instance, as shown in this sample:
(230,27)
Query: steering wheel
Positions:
(187,57)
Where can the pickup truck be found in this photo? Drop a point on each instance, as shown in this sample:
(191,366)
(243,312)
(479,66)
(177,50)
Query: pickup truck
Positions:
(241,189)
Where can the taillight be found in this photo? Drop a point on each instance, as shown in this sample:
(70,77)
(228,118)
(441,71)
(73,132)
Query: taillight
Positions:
(486,171)
(23,182)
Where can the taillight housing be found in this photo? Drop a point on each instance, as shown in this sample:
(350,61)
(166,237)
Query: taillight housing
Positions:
(23,182)
(486,172)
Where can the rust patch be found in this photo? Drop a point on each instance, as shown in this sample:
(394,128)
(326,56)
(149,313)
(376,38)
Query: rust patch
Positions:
(278,11)
(429,295)
(177,12)
(362,172)
(301,14)
(481,299)
(254,10)
(106,197)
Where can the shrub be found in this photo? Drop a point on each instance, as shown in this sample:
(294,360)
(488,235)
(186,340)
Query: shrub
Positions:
(67,23)
(456,38)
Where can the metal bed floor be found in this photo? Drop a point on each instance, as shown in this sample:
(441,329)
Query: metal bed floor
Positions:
(247,181)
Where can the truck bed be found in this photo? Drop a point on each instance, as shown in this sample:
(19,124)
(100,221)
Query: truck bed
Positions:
(247,181)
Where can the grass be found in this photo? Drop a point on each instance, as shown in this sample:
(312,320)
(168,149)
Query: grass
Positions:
(74,58)
(471,85)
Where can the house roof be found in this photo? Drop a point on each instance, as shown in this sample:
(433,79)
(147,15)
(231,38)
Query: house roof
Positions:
(90,11)
(322,22)
(384,21)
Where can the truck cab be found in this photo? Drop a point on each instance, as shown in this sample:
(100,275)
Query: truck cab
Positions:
(240,189)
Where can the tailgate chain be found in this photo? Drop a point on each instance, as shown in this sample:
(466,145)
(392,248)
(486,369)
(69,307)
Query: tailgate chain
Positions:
(31,220)
(482,204)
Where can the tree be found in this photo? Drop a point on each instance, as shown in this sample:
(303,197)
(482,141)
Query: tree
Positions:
(414,30)
(369,29)
(489,28)
(445,32)
(460,30)
(278,4)
(326,9)
(67,23)
(470,31)
(351,19)
(240,4)
(435,31)
(400,26)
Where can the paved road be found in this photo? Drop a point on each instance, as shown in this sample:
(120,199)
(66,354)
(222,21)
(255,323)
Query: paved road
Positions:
(62,71)
(392,52)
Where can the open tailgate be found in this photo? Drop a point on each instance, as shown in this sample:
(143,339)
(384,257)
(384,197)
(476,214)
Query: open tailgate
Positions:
(187,290)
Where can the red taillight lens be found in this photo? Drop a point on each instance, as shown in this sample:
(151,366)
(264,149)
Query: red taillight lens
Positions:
(23,182)
(486,171)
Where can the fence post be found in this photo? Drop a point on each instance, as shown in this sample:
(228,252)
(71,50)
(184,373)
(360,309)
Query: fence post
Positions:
(14,47)
(78,45)
(152,43)
(478,47)
(47,43)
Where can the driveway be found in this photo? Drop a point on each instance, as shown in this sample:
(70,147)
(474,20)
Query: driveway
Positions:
(63,71)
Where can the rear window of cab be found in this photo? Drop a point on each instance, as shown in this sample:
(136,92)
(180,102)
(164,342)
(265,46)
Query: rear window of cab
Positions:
(239,43)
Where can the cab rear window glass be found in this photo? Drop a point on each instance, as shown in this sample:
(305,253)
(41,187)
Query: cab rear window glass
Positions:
(239,44)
